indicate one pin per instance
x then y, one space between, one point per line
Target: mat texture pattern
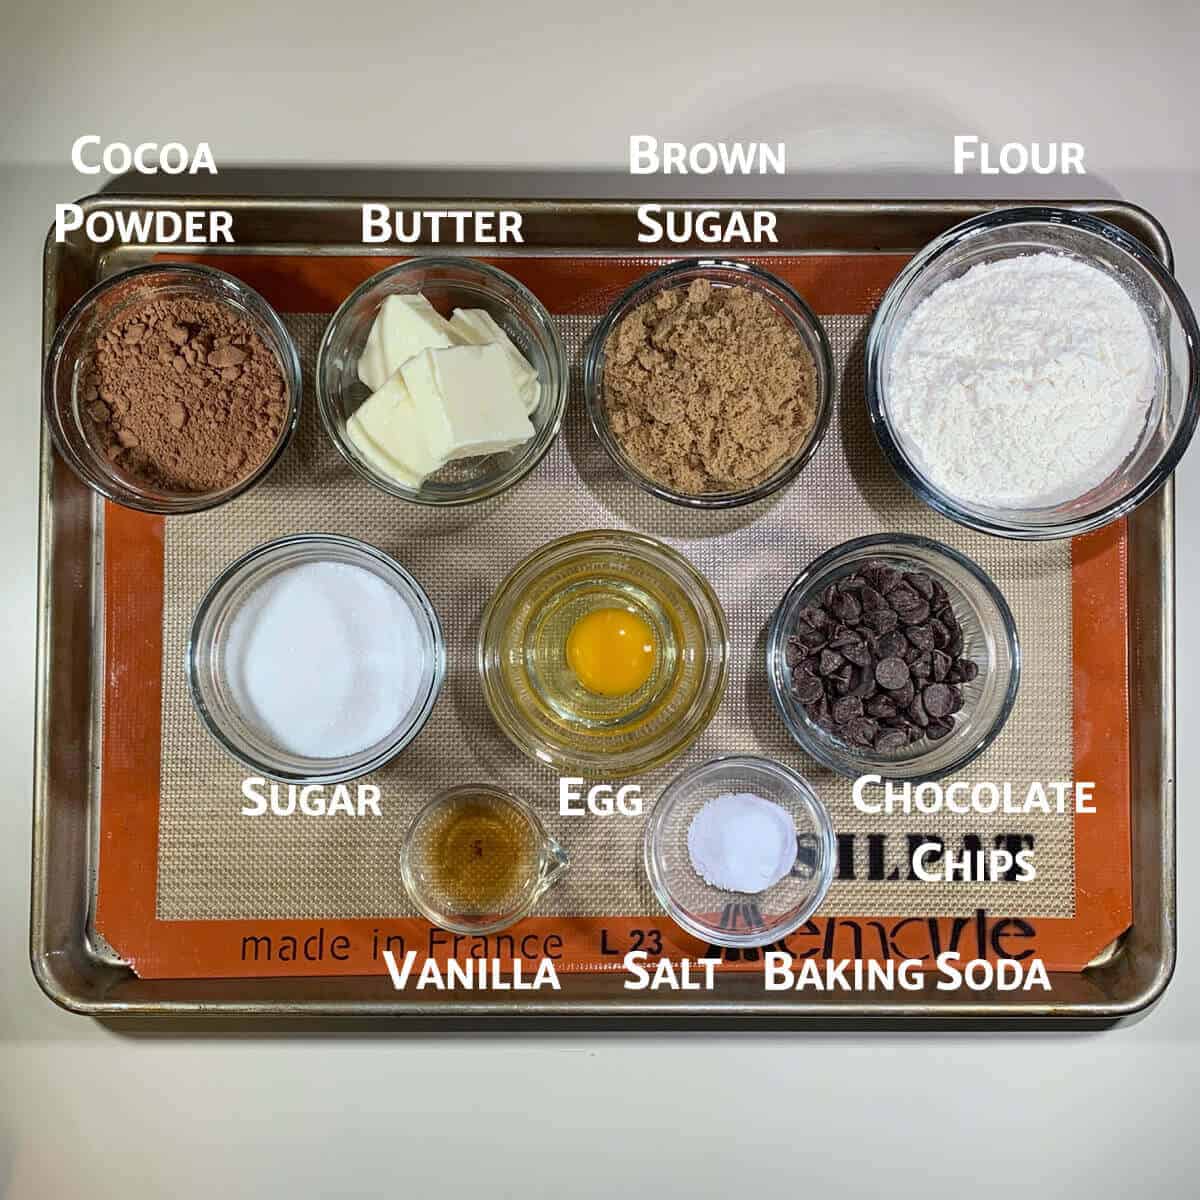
217 864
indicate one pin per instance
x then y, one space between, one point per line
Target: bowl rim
542 440
885 315
817 808
626 540
777 634
106 484
755 277
355 765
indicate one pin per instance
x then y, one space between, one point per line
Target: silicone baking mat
216 878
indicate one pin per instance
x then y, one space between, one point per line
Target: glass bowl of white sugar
315 658
740 851
1032 373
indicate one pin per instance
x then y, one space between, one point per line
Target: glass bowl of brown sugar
708 383
172 388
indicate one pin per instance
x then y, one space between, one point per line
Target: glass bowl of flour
1031 373
740 851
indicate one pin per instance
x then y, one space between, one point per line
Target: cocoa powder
708 389
183 395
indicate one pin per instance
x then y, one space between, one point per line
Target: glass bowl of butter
442 381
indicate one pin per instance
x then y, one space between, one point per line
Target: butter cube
387 431
466 401
404 326
475 327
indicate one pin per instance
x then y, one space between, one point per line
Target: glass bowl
209 672
989 639
492 820
790 306
99 308
727 918
1171 417
447 283
534 695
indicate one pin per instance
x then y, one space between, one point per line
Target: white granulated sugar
324 659
742 843
1023 383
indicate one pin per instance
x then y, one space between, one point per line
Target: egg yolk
611 651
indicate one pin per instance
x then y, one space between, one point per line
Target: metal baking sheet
78 971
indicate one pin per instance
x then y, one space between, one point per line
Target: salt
324 659
742 843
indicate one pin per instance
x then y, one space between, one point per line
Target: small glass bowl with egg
603 653
749 791
504 386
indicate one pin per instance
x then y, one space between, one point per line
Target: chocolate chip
892 645
938 728
920 583
829 662
858 653
938 700
891 673
918 614
862 731
881 620
882 706
846 607
793 652
847 709
808 688
871 599
968 668
921 636
888 741
941 664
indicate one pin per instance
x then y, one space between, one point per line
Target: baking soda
742 843
324 659
1023 383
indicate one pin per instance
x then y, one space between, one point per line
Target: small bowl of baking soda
740 851
1032 373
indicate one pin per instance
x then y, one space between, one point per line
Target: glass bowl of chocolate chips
893 655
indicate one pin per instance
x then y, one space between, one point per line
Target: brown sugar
708 389
184 395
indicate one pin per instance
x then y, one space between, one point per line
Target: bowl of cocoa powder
172 388
708 383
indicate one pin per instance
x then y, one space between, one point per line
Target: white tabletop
542 97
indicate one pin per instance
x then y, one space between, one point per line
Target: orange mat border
133 581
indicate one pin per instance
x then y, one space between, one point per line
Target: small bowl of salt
739 851
315 658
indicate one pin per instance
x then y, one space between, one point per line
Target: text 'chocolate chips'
878 660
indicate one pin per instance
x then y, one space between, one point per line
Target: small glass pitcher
476 859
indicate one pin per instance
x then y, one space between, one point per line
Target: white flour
1024 382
